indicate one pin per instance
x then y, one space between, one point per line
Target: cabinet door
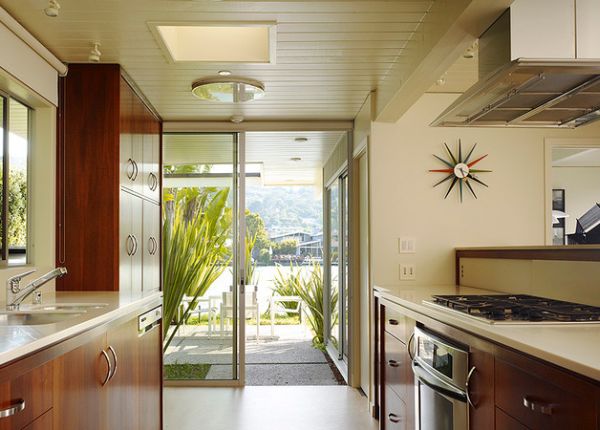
27 396
150 379
126 243
134 391
127 167
151 251
79 397
151 186
137 231
137 145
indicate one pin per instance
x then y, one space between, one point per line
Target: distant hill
286 209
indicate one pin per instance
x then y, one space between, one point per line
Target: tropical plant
311 290
287 284
196 230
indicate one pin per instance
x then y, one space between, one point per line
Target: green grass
265 319
186 371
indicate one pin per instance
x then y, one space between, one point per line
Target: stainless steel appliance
441 382
148 320
516 309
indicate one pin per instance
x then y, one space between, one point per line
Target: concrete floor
267 408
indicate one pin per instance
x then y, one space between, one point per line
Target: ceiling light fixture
228 89
296 159
237 119
301 139
441 80
224 73
95 53
52 9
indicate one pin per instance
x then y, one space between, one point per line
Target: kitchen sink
75 307
28 318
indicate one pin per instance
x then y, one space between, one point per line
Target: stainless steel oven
441 383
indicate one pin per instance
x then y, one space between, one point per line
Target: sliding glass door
203 209
337 287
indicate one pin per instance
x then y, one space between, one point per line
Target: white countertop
18 341
575 347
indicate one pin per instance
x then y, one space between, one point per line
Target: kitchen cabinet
509 390
45 422
150 247
109 164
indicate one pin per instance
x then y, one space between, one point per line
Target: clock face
461 171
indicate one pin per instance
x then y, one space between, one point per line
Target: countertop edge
485 331
39 344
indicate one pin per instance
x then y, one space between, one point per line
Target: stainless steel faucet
15 294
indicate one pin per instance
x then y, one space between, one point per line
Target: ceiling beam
449 28
229 127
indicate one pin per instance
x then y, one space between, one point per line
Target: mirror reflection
575 195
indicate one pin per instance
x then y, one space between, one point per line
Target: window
14 144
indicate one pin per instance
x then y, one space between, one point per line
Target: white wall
582 191
404 202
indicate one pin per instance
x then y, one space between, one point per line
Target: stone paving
288 358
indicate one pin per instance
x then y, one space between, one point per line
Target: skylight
232 43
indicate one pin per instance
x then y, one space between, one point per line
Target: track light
95 53
52 9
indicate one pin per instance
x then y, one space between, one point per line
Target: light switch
408 272
407 245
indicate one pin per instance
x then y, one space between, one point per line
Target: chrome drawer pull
393 322
13 409
114 354
543 408
394 418
393 363
110 368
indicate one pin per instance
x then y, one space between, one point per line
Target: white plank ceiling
330 54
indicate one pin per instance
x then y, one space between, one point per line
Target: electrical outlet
408 272
407 245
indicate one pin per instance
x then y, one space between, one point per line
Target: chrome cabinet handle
152 246
13 409
394 418
136 170
153 182
393 322
114 354
110 368
408 347
130 249
543 408
467 386
135 245
130 162
393 363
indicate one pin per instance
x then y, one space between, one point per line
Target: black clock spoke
478 181
459 151
450 176
471 189
480 171
451 186
444 161
460 189
452 157
468 157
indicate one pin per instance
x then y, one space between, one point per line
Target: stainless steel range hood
526 92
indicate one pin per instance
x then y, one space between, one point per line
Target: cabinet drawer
539 404
396 324
397 373
30 393
44 422
506 422
395 417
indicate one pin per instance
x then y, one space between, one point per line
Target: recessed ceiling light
52 9
301 139
95 53
224 73
296 159
228 89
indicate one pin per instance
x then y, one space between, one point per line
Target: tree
285 247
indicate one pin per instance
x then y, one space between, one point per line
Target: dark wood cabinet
108 164
45 422
509 390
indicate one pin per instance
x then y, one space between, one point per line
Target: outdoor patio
288 358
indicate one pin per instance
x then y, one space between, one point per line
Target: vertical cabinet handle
136 170
130 169
152 246
409 347
152 182
110 368
116 359
129 245
467 388
135 245
13 409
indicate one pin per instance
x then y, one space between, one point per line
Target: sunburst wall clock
460 170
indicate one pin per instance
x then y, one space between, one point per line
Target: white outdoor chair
275 304
204 305
252 309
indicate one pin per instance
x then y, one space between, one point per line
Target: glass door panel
201 193
333 202
344 269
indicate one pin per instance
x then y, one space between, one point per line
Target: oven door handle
436 384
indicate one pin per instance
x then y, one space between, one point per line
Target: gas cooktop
516 309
